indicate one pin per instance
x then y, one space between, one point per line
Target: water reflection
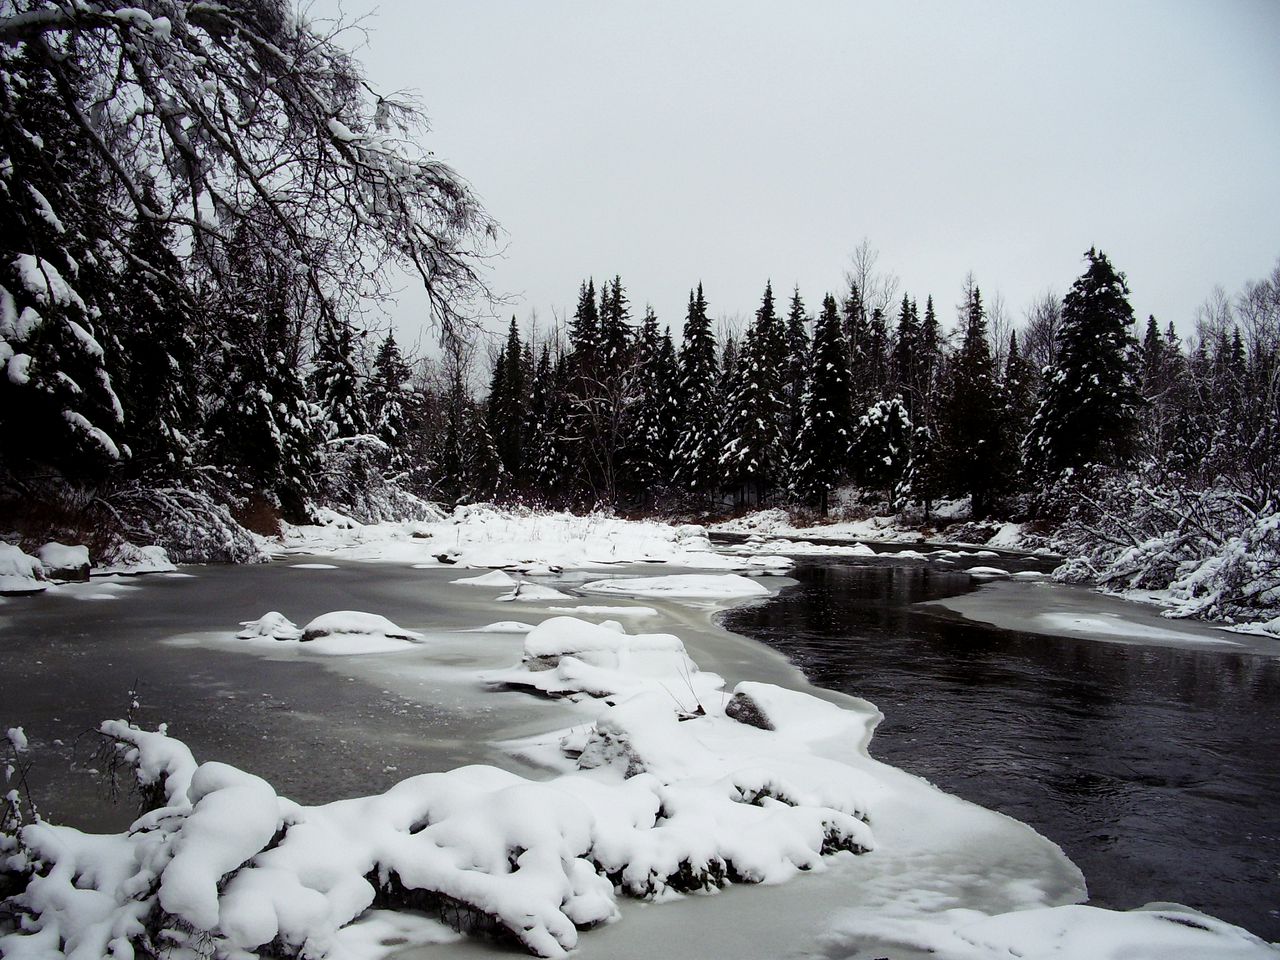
1157 769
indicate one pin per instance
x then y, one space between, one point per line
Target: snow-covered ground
658 781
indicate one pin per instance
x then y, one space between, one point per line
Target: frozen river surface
995 717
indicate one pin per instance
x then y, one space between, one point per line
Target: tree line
618 412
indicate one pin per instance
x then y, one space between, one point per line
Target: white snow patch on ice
681 586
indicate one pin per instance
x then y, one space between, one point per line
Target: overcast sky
737 142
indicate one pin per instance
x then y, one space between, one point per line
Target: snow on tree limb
217 116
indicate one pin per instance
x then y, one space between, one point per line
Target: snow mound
495 578
681 586
355 623
565 656
274 625
19 572
987 573
502 626
532 591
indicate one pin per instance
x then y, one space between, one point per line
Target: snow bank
690 586
482 536
652 802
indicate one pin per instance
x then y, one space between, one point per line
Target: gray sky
735 142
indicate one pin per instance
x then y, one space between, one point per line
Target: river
1156 768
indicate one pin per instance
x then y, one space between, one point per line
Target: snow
680 586
595 610
60 556
987 572
313 566
532 592
354 623
274 625
503 626
19 572
1157 931
483 538
1032 606
498 578
1104 625
17 739
128 559
655 781
340 633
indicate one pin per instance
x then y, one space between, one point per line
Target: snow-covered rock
354 623
63 562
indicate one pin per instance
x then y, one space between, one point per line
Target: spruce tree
971 436
905 373
1088 403
881 447
697 449
392 402
156 358
646 461
58 407
822 446
336 382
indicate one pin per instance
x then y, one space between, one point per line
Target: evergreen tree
647 455
697 449
156 359
822 446
553 446
615 329
506 407
905 373
971 436
1088 403
882 447
392 402
336 383
1017 399
262 428
797 359
58 407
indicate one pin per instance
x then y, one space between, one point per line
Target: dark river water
1156 769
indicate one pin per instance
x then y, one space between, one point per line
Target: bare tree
879 289
1040 335
222 119
999 325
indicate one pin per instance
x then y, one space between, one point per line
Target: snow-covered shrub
353 481
1214 552
193 526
